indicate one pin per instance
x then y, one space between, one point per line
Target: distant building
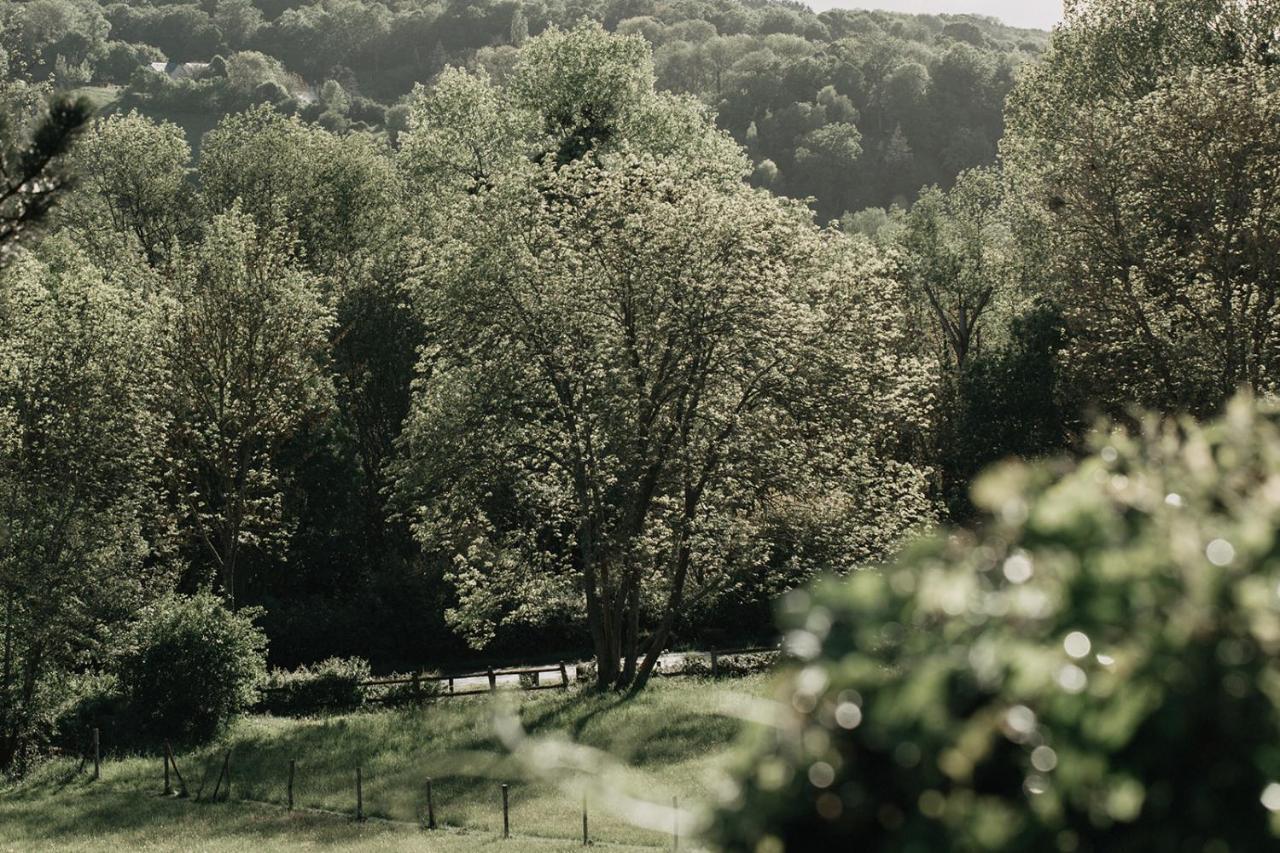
179 70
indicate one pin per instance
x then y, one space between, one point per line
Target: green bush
94 700
1096 669
736 666
331 686
189 666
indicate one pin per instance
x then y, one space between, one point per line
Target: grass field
99 96
668 742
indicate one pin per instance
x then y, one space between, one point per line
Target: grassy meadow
662 744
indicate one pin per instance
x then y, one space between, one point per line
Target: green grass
99 96
668 742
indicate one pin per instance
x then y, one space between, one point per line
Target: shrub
1096 669
733 666
190 665
331 686
694 665
94 701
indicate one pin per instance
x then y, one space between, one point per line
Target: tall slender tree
247 342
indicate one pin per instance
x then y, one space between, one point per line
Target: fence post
417 687
182 783
293 763
359 796
537 679
168 788
224 772
493 680
506 820
451 685
715 665
586 839
564 675
97 753
431 807
675 823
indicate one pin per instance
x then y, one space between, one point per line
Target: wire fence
459 804
446 798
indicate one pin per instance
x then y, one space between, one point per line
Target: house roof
178 70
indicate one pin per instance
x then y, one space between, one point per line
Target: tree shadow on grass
452 742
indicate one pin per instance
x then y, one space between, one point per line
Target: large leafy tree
637 369
247 341
344 199
82 427
968 271
1147 141
961 264
133 195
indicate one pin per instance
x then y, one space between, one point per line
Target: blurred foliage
1093 669
36 131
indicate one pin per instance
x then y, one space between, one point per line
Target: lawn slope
671 740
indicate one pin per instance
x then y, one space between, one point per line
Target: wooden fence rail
558 670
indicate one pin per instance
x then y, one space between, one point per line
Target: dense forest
549 352
855 109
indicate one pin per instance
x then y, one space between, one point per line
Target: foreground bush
331 686
1096 670
190 666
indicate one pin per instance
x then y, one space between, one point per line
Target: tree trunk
631 633
17 712
608 654
8 648
604 640
660 636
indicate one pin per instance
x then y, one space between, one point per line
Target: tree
519 28
43 32
634 365
344 200
968 275
615 406
133 192
338 193
81 429
249 69
238 20
247 342
122 59
1152 170
960 262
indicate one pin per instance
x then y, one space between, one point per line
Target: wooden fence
426 685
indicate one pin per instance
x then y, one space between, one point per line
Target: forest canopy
853 108
438 331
